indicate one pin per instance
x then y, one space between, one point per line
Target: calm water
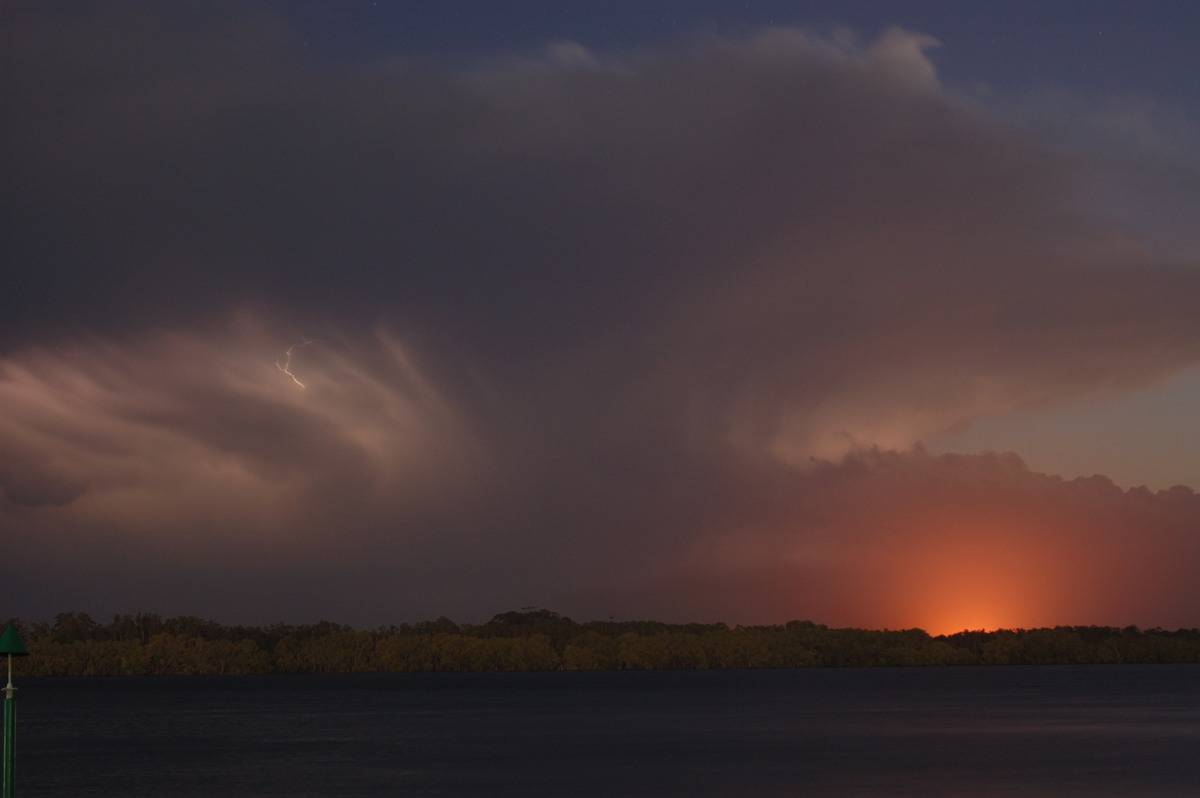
1068 731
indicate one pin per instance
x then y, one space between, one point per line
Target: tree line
75 644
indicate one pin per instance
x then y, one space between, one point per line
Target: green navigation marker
10 645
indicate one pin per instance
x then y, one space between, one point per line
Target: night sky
880 314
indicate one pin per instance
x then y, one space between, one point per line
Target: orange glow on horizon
968 571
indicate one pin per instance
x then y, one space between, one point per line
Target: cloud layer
649 334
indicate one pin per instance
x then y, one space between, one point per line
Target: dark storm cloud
563 321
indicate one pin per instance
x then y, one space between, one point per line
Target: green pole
10 644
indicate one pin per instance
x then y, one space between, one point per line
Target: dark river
1018 731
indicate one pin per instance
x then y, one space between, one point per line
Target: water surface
1028 731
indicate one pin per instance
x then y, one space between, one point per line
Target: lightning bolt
284 362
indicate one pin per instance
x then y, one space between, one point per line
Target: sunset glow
977 573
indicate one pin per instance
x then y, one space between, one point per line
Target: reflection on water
1067 731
